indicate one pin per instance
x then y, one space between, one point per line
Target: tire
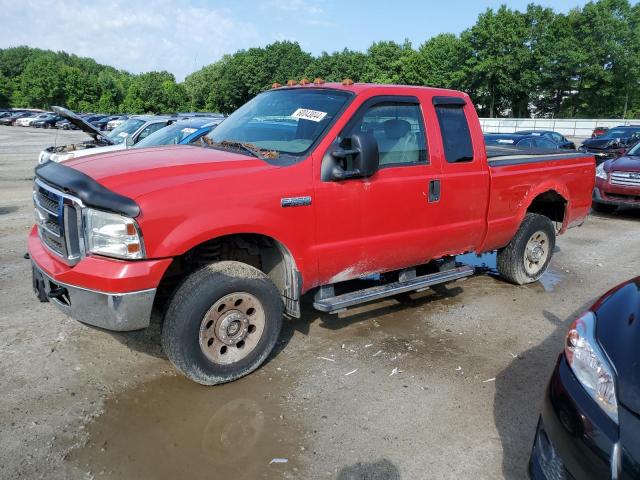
193 330
535 239
603 207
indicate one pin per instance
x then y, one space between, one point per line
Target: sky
183 36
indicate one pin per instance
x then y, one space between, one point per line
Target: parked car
127 134
47 122
102 123
11 119
618 182
301 189
590 422
556 137
520 141
116 122
26 120
599 131
65 124
183 132
613 143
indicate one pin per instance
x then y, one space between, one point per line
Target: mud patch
171 426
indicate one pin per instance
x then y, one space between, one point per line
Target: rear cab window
454 129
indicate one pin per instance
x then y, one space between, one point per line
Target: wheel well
262 252
550 204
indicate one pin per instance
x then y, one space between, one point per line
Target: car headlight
62 157
112 235
600 173
590 365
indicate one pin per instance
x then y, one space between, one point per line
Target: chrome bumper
112 311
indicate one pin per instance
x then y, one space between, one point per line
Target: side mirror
128 141
360 160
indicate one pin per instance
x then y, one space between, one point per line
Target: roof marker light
292 83
276 85
318 81
347 82
304 81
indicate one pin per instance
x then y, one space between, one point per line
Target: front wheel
222 323
527 256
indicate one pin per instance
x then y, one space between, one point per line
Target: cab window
398 130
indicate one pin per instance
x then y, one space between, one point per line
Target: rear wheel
529 252
603 207
222 323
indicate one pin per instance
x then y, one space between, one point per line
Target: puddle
173 428
486 263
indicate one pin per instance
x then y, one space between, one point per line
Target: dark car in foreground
556 137
518 140
618 182
613 143
590 422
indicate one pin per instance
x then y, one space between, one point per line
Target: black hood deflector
92 194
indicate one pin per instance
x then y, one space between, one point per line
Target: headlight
600 173
112 235
62 157
590 365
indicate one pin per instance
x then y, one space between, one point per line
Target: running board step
346 300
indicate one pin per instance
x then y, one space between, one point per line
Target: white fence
572 128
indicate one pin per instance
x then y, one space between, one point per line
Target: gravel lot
434 387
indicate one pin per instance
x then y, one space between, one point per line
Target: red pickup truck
306 187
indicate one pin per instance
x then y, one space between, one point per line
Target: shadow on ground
519 393
380 470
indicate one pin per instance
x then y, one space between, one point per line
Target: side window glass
398 128
456 136
149 130
542 143
527 143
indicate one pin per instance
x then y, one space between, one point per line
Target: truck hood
618 331
86 127
624 164
137 172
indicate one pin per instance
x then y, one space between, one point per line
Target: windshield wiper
250 148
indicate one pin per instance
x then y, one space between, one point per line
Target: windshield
619 133
171 135
119 134
282 121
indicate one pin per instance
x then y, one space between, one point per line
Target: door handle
434 190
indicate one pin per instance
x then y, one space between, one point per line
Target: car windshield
635 150
285 121
118 135
619 133
171 135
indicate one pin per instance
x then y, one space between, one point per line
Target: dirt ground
439 386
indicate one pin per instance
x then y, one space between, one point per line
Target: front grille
627 179
58 219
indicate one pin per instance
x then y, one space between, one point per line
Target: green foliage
585 63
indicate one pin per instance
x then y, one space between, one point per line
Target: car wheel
527 256
222 322
603 207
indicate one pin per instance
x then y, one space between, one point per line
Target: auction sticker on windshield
306 114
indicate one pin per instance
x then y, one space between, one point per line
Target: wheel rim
231 328
536 253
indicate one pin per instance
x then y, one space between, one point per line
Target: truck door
375 224
464 181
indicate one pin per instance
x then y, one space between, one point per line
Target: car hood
598 142
86 127
137 172
618 331
624 164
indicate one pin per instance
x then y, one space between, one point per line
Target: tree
387 62
337 66
40 84
437 63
